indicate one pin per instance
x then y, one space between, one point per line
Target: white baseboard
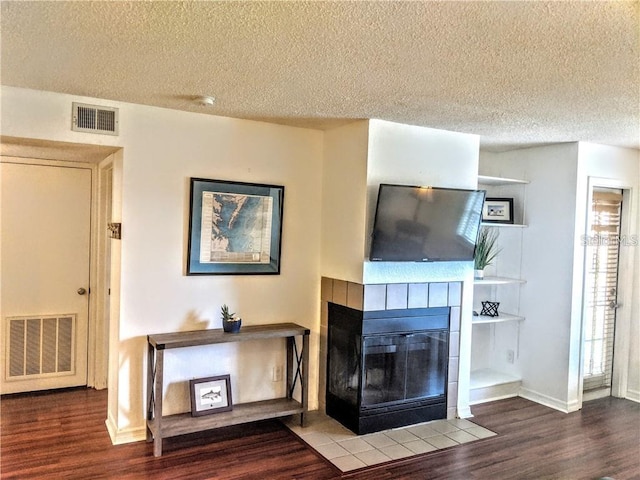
126 435
548 401
633 395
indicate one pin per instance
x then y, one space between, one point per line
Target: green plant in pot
230 323
486 250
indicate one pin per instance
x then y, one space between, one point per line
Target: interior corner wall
161 150
548 244
344 184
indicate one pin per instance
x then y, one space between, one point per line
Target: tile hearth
348 451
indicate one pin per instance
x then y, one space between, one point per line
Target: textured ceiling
515 73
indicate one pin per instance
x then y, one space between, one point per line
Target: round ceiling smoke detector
205 101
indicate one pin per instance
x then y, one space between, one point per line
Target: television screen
425 224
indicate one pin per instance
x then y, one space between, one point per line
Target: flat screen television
425 224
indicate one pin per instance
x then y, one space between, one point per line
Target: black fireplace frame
361 418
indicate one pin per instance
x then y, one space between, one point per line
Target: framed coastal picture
497 210
235 228
210 395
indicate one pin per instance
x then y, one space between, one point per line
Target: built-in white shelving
497 338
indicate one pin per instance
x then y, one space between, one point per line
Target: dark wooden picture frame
235 228
210 395
497 210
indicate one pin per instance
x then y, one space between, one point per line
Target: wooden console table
159 427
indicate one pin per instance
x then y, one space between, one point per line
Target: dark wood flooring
62 435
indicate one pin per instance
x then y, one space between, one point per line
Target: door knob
81 291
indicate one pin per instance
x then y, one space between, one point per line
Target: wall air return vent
40 346
94 119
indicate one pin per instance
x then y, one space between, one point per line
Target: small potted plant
230 323
486 250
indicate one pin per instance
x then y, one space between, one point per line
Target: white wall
360 156
548 247
411 155
344 201
161 150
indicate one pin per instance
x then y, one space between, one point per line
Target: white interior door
45 251
601 289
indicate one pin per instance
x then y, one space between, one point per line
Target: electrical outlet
510 356
277 373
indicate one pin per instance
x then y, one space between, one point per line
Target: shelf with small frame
503 190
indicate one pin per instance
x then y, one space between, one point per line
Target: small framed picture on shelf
210 395
497 210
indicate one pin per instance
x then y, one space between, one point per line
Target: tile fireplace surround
395 296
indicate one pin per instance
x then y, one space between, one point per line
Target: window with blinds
601 288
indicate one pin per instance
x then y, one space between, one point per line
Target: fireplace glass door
427 359
344 368
403 367
384 366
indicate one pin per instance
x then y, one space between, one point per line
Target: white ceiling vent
94 119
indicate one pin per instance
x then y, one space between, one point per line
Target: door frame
98 325
98 339
621 346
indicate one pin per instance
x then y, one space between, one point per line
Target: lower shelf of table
183 423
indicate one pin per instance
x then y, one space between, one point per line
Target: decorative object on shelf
497 210
230 323
490 309
486 250
210 395
234 228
